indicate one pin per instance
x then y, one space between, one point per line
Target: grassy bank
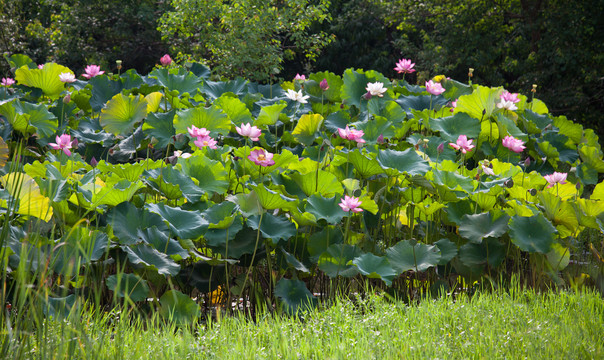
518 325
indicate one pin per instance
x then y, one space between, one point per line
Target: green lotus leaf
79 247
235 109
480 104
160 241
453 181
122 113
102 90
147 256
587 175
243 242
220 216
215 89
184 224
249 204
407 161
337 120
507 127
130 286
490 251
160 126
593 156
126 220
451 127
337 260
178 307
375 267
325 208
535 123
17 61
28 118
589 210
122 191
270 199
47 79
598 192
390 110
355 83
479 226
270 114
335 84
322 183
212 118
179 79
321 240
293 262
532 234
172 183
558 257
448 250
455 89
307 128
277 228
294 296
377 126
420 103
364 166
130 172
211 175
203 276
58 307
419 257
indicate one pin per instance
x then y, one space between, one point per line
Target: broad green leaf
174 79
47 79
453 181
592 156
211 175
307 127
337 260
153 101
363 165
17 61
479 226
407 161
294 296
143 254
448 250
270 114
178 307
103 90
532 234
277 228
375 267
451 127
212 118
480 104
122 191
322 183
325 208
249 204
184 224
126 220
28 118
122 113
220 216
26 190
172 183
490 251
130 286
215 89
270 199
160 126
419 257
558 257
235 109
455 89
295 263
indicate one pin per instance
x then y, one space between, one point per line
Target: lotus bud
67 99
324 85
441 148
578 185
527 162
380 139
367 96
93 162
74 143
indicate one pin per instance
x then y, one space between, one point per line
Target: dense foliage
172 186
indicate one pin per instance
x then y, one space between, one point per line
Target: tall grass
516 324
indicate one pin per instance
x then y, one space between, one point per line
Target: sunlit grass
489 325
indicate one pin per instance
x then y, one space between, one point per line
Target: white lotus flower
376 89
297 96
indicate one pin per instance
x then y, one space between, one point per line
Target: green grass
526 324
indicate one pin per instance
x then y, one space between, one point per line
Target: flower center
261 157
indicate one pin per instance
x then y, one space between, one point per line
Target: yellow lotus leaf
153 101
31 201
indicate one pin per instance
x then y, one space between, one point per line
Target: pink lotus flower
405 66
165 60
300 77
67 77
508 96
556 178
434 88
203 141
194 131
7 81
515 145
324 85
63 143
247 130
40 66
485 168
376 89
462 143
92 71
352 134
261 157
351 204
